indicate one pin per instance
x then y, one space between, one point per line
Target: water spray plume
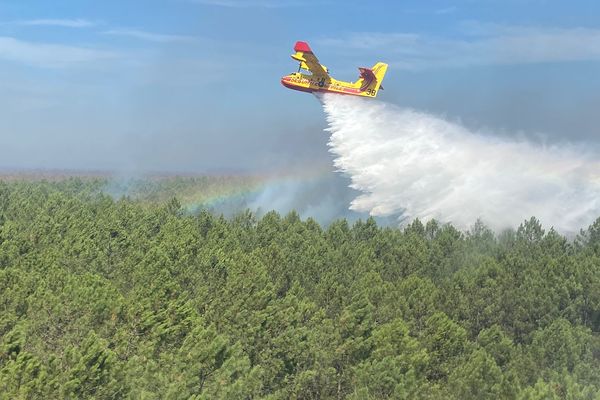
418 165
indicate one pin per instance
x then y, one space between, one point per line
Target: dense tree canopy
104 298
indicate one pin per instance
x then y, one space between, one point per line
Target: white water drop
420 165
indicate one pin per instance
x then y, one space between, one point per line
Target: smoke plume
423 166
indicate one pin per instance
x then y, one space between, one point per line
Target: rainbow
252 186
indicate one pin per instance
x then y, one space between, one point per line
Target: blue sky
193 85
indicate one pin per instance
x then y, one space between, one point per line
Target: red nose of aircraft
285 81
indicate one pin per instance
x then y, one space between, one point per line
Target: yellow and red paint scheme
319 80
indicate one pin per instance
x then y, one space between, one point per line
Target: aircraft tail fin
371 78
380 69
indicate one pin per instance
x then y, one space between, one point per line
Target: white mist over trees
423 166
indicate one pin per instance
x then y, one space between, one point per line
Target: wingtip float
318 80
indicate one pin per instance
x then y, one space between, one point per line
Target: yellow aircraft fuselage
310 83
320 81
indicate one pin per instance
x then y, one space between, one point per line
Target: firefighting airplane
367 85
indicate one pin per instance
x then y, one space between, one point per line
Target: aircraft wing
308 60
